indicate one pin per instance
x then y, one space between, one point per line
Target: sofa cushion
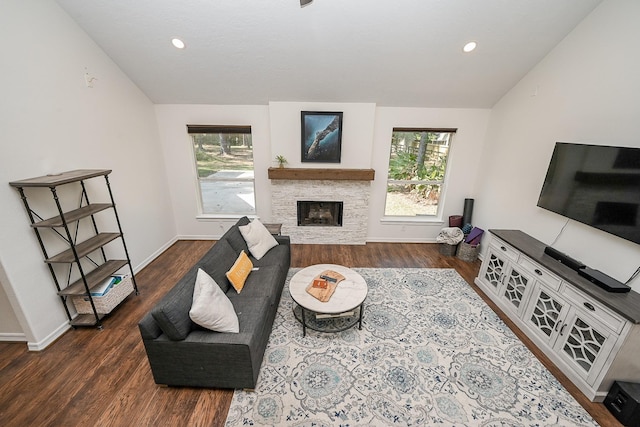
258 238
239 272
262 283
278 255
252 313
234 237
217 262
211 308
172 312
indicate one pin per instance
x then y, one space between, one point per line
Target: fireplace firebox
323 214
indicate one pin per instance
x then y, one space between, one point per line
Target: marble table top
349 294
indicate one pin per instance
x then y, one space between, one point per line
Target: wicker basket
107 302
447 249
467 252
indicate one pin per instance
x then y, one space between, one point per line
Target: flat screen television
596 185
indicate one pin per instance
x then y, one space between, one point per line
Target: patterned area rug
430 352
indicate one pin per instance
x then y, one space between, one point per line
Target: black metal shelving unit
67 226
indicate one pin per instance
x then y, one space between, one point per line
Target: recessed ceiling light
177 43
469 47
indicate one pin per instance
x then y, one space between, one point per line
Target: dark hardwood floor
102 378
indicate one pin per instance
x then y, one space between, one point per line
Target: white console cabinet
592 335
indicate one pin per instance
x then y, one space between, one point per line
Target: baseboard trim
198 237
155 255
400 240
57 333
13 337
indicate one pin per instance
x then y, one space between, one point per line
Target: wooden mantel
301 174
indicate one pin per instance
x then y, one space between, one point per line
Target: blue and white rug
430 352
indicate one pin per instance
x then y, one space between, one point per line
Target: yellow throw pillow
238 273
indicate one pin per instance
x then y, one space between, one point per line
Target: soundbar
565 259
606 282
594 276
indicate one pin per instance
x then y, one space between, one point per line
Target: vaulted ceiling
389 52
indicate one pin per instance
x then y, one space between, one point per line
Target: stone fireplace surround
289 186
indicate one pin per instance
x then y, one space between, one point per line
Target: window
417 169
224 161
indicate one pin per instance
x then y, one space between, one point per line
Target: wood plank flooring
102 378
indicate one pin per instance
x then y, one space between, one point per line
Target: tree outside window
224 164
417 170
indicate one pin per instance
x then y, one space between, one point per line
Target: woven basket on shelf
447 249
107 302
467 252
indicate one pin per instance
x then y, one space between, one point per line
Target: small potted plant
281 160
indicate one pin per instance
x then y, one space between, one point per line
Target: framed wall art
321 136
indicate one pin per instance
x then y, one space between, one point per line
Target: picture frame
321 139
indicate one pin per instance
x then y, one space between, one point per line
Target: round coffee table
338 313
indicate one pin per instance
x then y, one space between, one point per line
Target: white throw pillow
211 308
258 238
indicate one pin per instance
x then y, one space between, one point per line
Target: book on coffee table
324 285
319 283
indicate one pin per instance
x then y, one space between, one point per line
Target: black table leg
304 322
361 310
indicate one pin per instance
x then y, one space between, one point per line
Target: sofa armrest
283 240
149 329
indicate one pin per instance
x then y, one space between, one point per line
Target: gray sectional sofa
182 353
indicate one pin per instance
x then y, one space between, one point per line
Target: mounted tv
596 185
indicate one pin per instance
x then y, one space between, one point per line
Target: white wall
586 90
275 130
463 166
50 121
366 141
357 133
10 329
180 163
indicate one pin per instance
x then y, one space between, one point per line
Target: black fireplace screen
313 213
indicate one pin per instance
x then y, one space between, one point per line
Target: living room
582 90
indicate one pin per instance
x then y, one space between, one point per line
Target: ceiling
390 52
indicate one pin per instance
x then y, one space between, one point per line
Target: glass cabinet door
585 343
545 314
516 289
494 268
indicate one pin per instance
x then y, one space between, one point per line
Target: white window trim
418 219
436 219
201 216
217 217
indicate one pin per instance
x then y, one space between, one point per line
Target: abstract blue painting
321 136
